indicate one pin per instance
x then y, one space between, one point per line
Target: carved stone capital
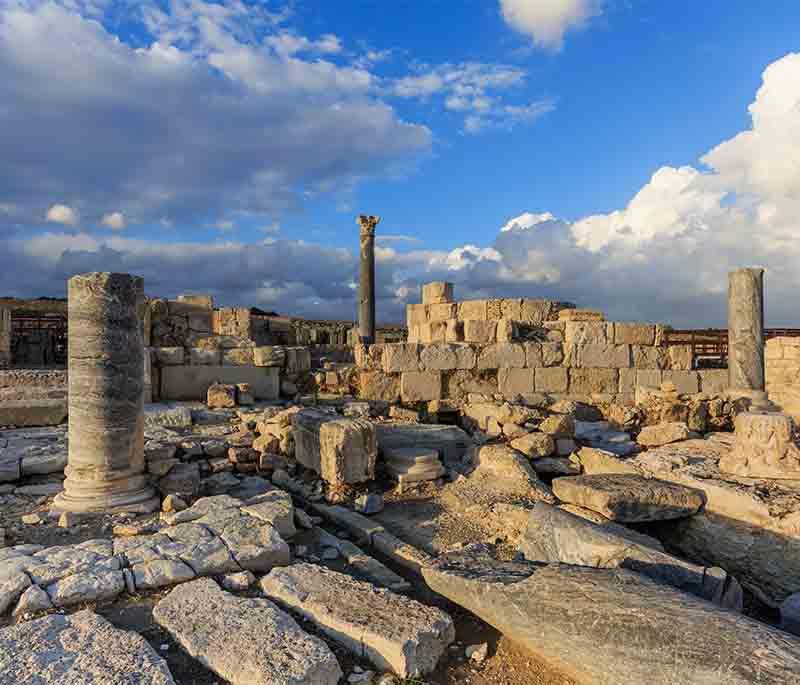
367 223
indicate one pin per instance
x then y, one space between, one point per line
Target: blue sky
243 138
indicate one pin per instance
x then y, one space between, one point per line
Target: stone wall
177 323
524 352
783 373
5 337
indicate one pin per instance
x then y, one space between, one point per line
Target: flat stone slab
245 640
614 626
391 631
450 442
555 535
33 412
629 498
79 649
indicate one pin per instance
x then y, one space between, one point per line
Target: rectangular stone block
340 450
634 333
646 357
168 356
680 357
511 309
533 355
269 355
472 309
416 314
584 332
535 311
435 331
454 331
413 334
600 355
589 381
506 330
238 356
379 386
502 356
437 292
192 382
200 301
553 379
648 378
627 381
552 354
580 315
447 357
199 356
298 359
514 382
479 331
441 312
420 386
713 381
399 357
368 357
687 382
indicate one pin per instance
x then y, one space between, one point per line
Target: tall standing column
746 334
366 290
105 469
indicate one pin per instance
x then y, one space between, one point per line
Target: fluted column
746 334
366 290
105 469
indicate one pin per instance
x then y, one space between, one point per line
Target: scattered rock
68 519
32 519
173 503
86 587
477 653
371 503
535 445
32 600
664 434
238 582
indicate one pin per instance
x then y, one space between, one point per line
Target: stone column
366 290
105 469
746 334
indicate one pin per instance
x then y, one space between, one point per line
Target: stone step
244 640
629 498
390 630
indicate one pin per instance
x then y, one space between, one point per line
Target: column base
143 501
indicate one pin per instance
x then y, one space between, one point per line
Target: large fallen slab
555 535
629 498
614 626
244 640
391 631
340 450
502 469
77 649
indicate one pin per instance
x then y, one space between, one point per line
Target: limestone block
634 333
506 330
502 356
552 353
533 355
441 312
504 470
192 382
413 464
480 331
590 381
420 386
399 357
535 445
663 434
553 379
648 378
559 425
494 309
599 355
513 382
221 396
437 292
713 381
168 356
416 314
763 447
454 331
269 355
646 357
627 381
298 359
447 357
472 309
433 332
680 357
580 315
584 332
511 309
238 356
630 498
340 450
535 311
379 386
686 382
392 631
202 357
244 640
86 587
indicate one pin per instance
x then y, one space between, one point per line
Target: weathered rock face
106 380
629 498
244 640
392 631
613 626
555 535
79 648
340 450
764 447
505 470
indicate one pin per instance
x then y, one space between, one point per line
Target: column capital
367 222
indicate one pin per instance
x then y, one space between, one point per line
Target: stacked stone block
783 373
175 323
5 337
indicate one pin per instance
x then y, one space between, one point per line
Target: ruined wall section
782 363
5 337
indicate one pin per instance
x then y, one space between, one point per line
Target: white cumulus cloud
62 214
114 220
546 21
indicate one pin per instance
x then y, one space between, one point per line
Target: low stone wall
782 361
176 323
5 337
587 360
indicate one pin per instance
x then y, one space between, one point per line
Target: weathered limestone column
366 290
105 469
746 334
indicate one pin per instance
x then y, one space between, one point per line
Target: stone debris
78 648
477 653
391 631
244 640
629 498
503 469
556 535
764 447
32 600
412 464
664 433
613 625
238 582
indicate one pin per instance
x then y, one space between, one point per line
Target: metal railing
710 345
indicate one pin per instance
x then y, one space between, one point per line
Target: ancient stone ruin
358 507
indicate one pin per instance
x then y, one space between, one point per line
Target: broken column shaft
105 469
366 290
746 333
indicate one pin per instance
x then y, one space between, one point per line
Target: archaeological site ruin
203 494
